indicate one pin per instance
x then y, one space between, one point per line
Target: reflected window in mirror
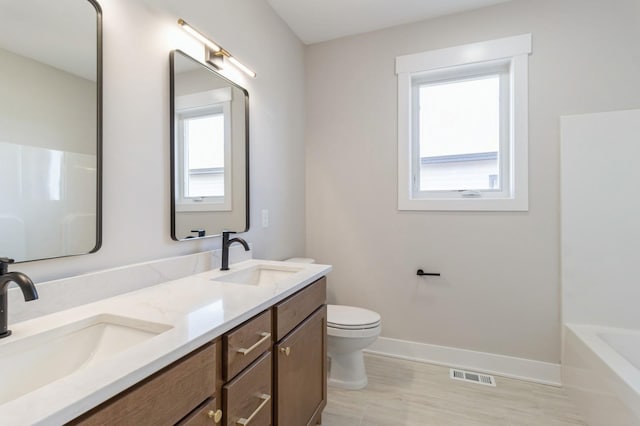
203 149
209 151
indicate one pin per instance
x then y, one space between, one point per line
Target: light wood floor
406 393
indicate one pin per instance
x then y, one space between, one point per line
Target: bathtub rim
626 377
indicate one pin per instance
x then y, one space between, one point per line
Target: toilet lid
350 317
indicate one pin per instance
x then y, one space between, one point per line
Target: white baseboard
499 365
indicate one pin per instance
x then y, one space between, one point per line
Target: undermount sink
260 275
38 360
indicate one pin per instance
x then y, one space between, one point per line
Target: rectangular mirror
50 128
209 151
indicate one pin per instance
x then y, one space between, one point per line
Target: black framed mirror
50 128
209 151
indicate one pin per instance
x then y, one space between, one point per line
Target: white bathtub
601 372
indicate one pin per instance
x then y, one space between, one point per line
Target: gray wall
138 36
500 290
45 107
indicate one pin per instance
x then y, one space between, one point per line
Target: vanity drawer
292 311
247 398
205 415
164 398
245 344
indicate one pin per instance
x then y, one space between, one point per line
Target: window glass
459 134
204 149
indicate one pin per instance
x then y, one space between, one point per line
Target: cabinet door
301 372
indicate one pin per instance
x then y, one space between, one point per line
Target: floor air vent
470 376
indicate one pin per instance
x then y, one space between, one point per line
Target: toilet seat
354 333
350 318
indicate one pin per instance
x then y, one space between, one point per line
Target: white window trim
516 49
193 105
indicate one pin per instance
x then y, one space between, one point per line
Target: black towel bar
422 273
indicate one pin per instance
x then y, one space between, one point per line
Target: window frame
472 72
457 63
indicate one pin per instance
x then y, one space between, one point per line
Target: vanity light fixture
215 55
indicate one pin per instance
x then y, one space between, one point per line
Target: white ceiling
314 21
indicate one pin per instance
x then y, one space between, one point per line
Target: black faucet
226 242
24 282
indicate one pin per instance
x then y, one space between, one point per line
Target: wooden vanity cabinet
300 357
241 378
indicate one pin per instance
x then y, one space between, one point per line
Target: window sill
203 207
466 204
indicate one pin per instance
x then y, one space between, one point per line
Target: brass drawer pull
265 399
265 336
216 416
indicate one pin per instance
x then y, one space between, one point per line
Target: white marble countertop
197 308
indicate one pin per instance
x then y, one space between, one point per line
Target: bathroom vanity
243 347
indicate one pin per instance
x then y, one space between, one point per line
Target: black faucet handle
200 232
4 264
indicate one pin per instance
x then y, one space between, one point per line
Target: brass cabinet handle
265 399
286 350
265 336
215 415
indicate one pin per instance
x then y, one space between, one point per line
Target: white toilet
349 331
